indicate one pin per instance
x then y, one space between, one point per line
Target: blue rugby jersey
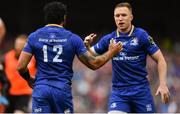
54 49
129 66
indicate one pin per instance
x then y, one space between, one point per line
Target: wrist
109 54
88 47
26 75
163 84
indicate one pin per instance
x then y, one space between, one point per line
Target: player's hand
31 82
165 94
89 39
115 47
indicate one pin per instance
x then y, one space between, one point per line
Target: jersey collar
130 33
56 25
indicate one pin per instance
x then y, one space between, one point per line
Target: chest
131 45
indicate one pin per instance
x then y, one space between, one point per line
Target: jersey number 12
56 48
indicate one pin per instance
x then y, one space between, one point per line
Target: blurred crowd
91 89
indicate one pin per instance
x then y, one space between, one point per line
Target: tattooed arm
95 62
23 62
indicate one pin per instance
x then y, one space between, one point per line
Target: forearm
23 61
24 74
162 71
93 62
102 59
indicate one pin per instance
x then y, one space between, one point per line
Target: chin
122 28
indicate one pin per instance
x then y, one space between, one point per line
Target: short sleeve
149 44
102 46
78 44
28 45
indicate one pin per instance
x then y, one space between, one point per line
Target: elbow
164 63
94 65
93 68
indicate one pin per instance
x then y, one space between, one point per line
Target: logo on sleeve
151 41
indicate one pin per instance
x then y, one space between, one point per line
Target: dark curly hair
54 12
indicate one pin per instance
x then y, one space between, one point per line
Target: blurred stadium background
91 89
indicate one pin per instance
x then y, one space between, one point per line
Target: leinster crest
134 42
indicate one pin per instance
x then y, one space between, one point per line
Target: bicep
157 56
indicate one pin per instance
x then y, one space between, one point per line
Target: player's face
123 18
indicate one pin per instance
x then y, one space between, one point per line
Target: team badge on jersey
134 42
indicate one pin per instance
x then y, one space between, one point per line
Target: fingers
92 35
112 41
166 97
89 39
120 45
165 94
162 98
157 92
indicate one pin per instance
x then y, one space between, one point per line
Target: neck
129 31
125 30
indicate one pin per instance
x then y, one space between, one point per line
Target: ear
132 17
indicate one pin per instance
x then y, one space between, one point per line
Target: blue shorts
132 100
48 99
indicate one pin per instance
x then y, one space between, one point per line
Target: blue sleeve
78 44
28 45
102 46
149 44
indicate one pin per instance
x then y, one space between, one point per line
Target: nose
119 17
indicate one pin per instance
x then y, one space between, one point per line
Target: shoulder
75 36
33 34
109 35
140 31
70 34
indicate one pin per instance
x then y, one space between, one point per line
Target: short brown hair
22 36
124 4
